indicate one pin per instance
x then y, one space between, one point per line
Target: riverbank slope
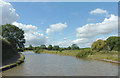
111 56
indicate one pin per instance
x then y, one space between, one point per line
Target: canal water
56 65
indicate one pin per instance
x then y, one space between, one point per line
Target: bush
100 45
36 50
84 53
60 49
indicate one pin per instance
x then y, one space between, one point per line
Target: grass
65 52
112 55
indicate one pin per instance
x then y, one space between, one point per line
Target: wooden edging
18 62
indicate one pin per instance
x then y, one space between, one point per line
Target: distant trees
74 46
69 48
112 43
30 47
50 47
14 35
56 47
43 46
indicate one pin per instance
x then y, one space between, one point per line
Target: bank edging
18 62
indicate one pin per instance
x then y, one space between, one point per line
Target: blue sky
74 14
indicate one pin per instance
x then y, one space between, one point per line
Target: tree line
110 44
51 47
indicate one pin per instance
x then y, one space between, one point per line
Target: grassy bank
65 52
102 55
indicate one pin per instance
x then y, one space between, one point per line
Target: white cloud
56 28
83 42
109 25
64 43
8 13
9 16
32 35
99 11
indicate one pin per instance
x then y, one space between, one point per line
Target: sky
62 23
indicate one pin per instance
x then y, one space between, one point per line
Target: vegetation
74 47
114 43
50 47
111 44
100 45
56 47
14 35
12 39
7 50
100 49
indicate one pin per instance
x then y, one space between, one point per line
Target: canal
56 65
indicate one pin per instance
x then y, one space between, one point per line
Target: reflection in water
55 65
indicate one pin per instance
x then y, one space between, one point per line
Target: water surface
56 65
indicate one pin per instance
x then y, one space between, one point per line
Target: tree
69 48
100 45
30 47
74 46
14 35
60 49
113 42
50 47
43 46
56 47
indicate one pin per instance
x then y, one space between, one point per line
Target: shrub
84 53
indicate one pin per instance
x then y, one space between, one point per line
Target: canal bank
55 65
16 63
111 57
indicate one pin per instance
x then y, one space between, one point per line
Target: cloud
56 28
99 11
109 25
32 35
64 43
7 13
9 16
83 42
91 19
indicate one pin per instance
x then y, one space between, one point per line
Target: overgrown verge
108 56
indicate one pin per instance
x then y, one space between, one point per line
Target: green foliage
56 47
60 49
84 53
99 45
14 35
43 46
50 47
69 48
113 42
30 47
74 47
7 50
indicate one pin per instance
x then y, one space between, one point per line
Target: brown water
56 65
